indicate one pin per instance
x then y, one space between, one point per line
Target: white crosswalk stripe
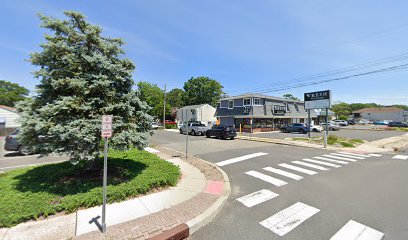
266 178
375 155
258 197
402 157
322 163
239 159
310 172
331 160
311 165
283 173
286 220
355 154
340 158
348 156
356 231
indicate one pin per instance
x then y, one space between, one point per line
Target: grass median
35 192
332 140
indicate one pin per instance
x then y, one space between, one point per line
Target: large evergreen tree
82 77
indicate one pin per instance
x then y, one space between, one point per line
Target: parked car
154 125
398 124
331 126
296 127
169 122
12 144
316 128
341 123
351 122
194 129
222 131
385 122
363 121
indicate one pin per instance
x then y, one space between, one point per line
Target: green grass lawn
41 191
332 140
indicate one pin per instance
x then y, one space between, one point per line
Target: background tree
11 93
290 97
82 76
202 90
342 110
175 97
154 97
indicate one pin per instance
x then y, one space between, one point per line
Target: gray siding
228 121
238 102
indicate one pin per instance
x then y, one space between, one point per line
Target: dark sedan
221 131
398 124
13 145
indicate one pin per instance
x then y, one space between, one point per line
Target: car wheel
232 138
23 151
301 131
331 129
202 134
207 135
193 132
284 130
223 137
181 131
315 130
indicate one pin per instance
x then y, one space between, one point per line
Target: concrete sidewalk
195 200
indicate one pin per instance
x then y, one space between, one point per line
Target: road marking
299 169
283 173
256 198
322 163
151 150
239 159
356 231
311 165
33 164
348 156
286 220
331 160
341 158
402 157
355 154
374 155
266 178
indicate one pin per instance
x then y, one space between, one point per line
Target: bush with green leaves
83 76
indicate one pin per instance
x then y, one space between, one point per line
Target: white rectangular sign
107 126
318 100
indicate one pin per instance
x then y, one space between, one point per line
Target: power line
361 66
393 68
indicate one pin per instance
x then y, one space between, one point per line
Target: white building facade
8 119
382 113
203 113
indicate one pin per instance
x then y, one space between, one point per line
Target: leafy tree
290 97
11 93
202 90
82 77
175 97
341 109
358 106
154 97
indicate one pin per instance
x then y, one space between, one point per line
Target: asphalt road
371 191
367 135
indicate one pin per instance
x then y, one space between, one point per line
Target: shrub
346 144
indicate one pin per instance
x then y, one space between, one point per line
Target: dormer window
257 101
287 107
247 101
230 104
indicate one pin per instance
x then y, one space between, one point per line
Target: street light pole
164 108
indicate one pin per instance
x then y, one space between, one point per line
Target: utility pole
164 108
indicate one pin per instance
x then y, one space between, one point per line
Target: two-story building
258 112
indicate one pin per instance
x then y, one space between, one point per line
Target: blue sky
246 45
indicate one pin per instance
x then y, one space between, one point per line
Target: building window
230 104
247 101
257 101
296 107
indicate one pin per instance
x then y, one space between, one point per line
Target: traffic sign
106 126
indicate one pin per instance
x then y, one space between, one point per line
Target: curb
180 232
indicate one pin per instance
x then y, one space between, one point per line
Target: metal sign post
308 123
106 133
319 100
186 134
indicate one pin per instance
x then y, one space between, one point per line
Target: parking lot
368 135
